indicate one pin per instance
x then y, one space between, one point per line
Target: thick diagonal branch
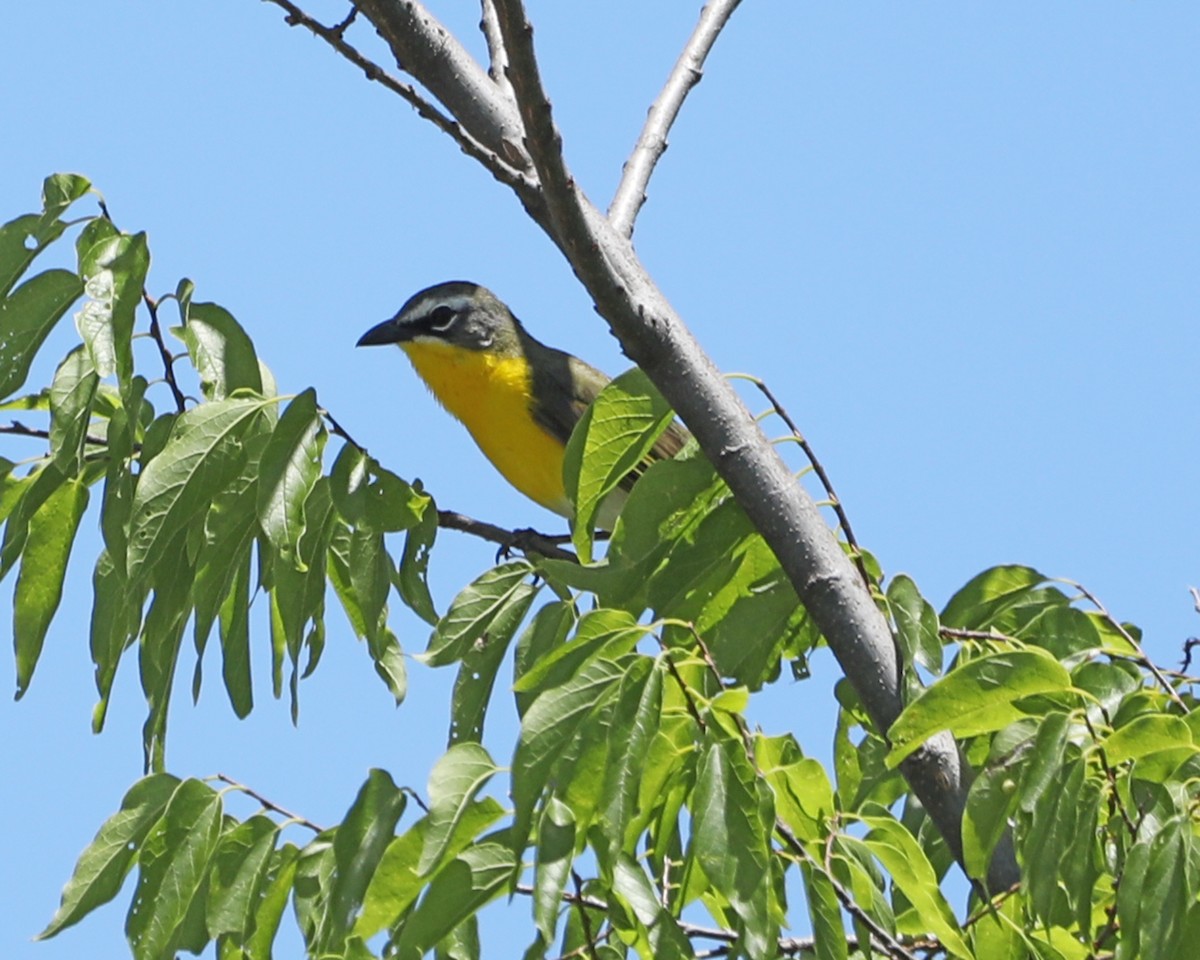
656 339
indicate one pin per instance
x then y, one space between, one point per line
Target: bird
518 398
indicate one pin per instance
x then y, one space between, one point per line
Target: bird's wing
567 388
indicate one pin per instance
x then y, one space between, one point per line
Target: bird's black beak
387 332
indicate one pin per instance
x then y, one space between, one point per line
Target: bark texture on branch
654 337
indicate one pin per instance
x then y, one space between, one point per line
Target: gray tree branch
655 338
652 143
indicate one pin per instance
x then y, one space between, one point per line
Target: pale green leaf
103 866
612 438
910 870
977 698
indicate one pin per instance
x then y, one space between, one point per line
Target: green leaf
803 794
635 721
602 631
205 452
550 724
733 820
1148 734
1170 887
612 438
473 610
281 873
71 394
986 596
546 631
453 784
371 579
221 352
916 624
396 883
22 239
477 672
412 580
103 866
60 190
976 698
1046 757
39 585
358 846
160 642
475 877
391 504
27 316
114 267
289 468
664 940
829 936
240 869
116 616
555 854
235 642
173 862
989 804
910 870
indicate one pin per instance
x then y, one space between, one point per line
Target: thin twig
1115 801
527 541
339 431
584 920
834 500
886 940
1129 638
497 55
492 161
688 699
268 804
167 360
18 429
961 633
652 143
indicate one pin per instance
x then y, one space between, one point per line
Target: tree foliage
639 813
640 797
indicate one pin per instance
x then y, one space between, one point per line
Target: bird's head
455 313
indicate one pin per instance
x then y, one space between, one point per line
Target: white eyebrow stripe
458 304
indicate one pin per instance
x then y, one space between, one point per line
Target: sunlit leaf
103 866
614 435
27 315
44 565
976 698
358 846
173 865
205 452
290 465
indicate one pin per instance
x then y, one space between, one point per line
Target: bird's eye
442 318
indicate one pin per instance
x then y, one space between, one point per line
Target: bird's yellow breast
492 396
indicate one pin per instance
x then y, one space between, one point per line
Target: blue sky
960 241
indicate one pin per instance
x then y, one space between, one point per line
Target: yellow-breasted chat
519 398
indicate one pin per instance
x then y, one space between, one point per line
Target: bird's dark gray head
458 313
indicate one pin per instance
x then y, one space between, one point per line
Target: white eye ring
442 323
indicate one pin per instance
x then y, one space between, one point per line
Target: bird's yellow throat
493 396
